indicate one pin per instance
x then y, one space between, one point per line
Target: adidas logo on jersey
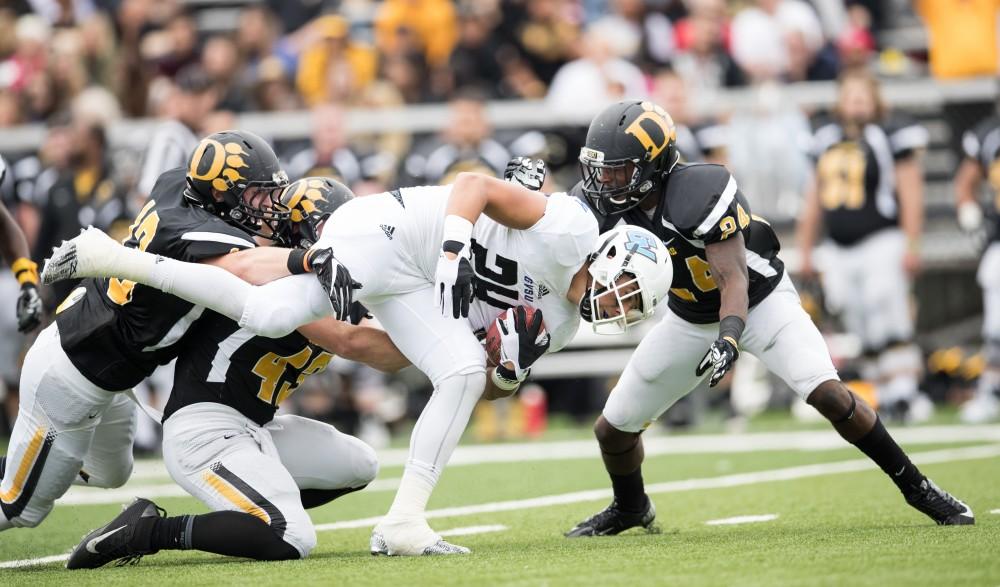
542 291
388 230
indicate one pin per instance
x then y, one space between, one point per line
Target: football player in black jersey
75 423
14 250
868 193
981 146
729 294
223 443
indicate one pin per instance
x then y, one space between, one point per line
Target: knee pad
366 464
303 538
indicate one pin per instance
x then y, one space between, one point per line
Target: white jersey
391 242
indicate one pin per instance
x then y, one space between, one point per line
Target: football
492 341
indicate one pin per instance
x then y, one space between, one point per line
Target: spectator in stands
10 109
601 76
475 61
87 193
466 139
654 29
181 44
30 57
962 42
334 68
760 36
408 74
273 91
697 140
703 60
547 38
328 155
432 25
220 59
193 97
98 50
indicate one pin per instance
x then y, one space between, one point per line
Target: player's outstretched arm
256 266
727 262
363 344
508 203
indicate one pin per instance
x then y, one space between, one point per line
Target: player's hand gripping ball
518 335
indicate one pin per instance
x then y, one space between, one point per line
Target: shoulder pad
692 193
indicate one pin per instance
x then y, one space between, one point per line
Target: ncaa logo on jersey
640 243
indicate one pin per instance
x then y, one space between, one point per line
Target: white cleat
410 539
82 256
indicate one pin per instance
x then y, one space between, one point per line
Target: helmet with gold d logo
235 175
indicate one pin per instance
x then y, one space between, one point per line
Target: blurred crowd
78 67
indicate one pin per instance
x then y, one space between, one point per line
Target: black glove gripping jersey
982 144
226 364
856 177
117 332
700 204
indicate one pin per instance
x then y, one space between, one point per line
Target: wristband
731 328
502 382
456 229
298 263
25 270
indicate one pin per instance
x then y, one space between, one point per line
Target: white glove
453 276
526 172
970 216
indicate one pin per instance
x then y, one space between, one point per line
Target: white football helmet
633 252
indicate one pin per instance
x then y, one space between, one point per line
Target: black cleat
612 520
940 506
115 540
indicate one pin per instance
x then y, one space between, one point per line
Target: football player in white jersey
411 250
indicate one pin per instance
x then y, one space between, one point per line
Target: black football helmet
243 168
630 147
308 202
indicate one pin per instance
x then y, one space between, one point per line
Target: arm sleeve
716 216
279 307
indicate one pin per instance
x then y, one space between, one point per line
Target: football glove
720 359
29 308
586 309
525 171
521 343
453 280
336 281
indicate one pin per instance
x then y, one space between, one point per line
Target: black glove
336 281
525 171
453 280
720 358
521 343
358 313
29 308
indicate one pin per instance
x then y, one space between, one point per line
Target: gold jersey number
271 369
841 173
142 230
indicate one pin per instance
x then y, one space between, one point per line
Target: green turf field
832 528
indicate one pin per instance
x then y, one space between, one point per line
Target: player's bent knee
305 540
612 439
114 478
831 398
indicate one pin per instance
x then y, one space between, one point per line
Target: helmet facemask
256 205
621 291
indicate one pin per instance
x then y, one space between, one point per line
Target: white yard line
995 511
740 479
470 530
742 520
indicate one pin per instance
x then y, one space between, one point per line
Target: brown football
492 341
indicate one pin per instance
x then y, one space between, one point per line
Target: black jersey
116 332
700 204
982 145
856 176
226 364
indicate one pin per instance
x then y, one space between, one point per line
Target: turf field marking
93 496
742 520
736 480
470 530
740 479
995 511
34 561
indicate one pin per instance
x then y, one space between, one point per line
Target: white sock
434 439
